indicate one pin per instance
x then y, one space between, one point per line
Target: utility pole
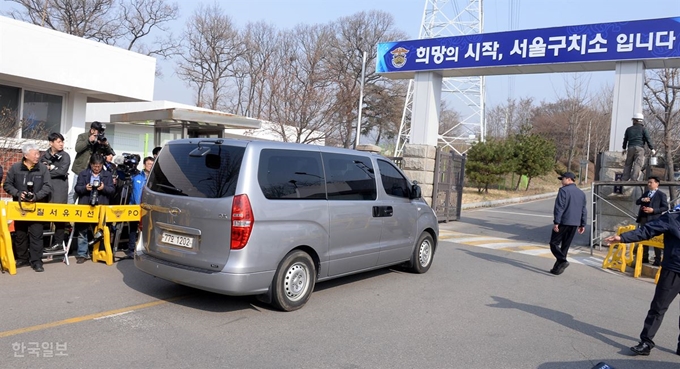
361 101
590 122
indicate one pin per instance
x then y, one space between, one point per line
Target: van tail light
241 221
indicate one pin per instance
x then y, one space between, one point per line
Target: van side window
393 181
291 174
213 175
349 177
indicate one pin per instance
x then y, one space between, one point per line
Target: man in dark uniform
634 140
669 279
58 163
570 215
29 181
652 203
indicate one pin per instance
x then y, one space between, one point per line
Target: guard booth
179 122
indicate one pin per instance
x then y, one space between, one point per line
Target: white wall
76 64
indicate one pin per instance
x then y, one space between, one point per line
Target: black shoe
645 261
56 247
677 352
21 263
657 263
80 260
561 268
38 268
642 348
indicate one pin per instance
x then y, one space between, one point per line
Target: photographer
138 183
29 181
57 162
94 186
87 144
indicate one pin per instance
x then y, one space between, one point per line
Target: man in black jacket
29 181
669 279
570 215
634 140
57 162
91 182
652 203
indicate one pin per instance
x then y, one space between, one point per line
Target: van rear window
210 172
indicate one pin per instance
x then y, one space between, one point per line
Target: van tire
294 281
423 253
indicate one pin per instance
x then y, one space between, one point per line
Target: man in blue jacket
138 183
570 215
669 279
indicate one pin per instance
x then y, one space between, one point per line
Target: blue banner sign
594 43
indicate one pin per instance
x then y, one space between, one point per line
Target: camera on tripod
94 194
29 195
130 162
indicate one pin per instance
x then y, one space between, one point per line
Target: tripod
125 191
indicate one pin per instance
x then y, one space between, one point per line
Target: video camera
129 165
94 193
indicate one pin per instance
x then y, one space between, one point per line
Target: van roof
260 144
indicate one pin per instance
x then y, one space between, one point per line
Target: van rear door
188 207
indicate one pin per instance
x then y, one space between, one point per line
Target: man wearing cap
570 215
634 140
87 144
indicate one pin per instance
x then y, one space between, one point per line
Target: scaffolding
446 18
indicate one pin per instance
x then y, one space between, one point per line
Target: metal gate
447 194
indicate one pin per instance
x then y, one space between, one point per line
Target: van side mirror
415 191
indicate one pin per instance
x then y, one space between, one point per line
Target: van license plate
177 240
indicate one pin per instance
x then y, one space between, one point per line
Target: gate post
418 165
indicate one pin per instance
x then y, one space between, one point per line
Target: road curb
514 200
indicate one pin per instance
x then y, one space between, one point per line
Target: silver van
241 217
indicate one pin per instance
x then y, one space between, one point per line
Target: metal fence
447 194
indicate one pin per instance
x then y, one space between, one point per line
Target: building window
41 114
9 110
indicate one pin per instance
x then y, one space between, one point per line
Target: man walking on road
570 215
669 279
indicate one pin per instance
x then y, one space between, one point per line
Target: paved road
477 307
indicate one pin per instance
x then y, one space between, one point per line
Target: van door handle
382 211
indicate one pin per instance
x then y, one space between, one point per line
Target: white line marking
515 213
113 315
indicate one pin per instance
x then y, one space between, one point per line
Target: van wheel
422 254
294 281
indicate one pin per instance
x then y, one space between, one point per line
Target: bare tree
577 99
661 98
210 49
599 123
302 94
355 35
255 70
124 23
504 120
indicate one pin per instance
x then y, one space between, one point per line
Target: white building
48 77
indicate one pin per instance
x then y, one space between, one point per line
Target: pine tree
487 163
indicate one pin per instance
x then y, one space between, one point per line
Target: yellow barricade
654 242
619 256
44 212
112 214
